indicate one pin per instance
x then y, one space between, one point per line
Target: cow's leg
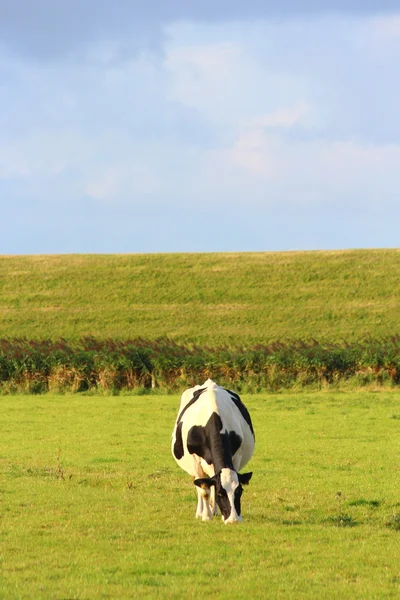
213 504
199 510
203 502
203 497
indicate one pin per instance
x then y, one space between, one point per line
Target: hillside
214 298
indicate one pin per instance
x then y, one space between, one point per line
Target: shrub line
39 366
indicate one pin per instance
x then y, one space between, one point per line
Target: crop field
93 505
239 298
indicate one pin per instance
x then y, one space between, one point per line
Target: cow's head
228 490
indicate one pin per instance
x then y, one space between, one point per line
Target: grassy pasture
214 298
93 505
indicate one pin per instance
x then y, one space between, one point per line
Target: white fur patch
230 482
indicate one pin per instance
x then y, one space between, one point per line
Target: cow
212 440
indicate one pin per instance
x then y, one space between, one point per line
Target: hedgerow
34 366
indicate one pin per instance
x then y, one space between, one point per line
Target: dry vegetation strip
115 365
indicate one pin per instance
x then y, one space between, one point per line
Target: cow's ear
204 482
244 478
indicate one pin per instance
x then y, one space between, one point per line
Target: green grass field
213 298
93 505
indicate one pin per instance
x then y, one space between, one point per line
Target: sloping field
214 298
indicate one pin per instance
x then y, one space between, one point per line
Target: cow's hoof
232 521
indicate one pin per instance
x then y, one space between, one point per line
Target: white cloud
104 186
386 27
201 76
261 168
285 117
122 184
379 37
229 84
252 151
12 164
43 154
301 113
256 148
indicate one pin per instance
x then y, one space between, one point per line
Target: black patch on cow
215 442
207 442
231 443
213 446
244 478
196 396
197 443
235 442
222 499
178 446
236 501
243 410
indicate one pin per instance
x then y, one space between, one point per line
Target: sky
186 126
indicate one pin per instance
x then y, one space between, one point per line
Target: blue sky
183 126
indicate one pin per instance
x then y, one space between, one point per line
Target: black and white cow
212 440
